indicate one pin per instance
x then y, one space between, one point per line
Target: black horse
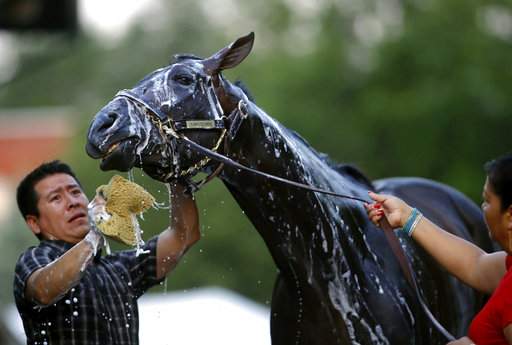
338 280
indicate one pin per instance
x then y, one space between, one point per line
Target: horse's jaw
119 156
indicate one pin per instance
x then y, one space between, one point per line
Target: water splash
139 242
160 206
130 176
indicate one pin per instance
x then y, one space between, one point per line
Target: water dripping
130 175
160 206
140 159
138 236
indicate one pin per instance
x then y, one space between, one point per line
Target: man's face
62 209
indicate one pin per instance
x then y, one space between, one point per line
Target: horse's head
189 97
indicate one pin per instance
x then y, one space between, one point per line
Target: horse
338 280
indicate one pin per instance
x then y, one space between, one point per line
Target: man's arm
45 285
182 233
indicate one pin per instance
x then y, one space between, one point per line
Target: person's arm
462 341
507 331
45 285
461 258
182 233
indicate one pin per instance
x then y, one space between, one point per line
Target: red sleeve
508 261
504 300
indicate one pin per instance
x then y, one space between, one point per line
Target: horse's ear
230 56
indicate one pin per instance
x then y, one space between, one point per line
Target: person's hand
461 341
394 209
96 213
96 209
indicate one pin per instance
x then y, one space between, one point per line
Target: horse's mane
181 57
350 170
342 168
245 90
354 172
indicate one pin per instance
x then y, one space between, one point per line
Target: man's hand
96 213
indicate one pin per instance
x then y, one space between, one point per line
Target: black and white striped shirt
100 309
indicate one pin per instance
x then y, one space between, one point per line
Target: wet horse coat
338 280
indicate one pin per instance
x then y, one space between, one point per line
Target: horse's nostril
109 121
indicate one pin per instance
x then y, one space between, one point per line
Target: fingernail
380 213
377 206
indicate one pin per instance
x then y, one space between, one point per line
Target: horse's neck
295 224
266 145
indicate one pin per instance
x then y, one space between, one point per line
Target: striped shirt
100 309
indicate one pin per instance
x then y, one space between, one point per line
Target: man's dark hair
499 175
26 195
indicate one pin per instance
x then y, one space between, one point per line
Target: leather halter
169 127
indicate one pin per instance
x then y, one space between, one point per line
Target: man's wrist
94 239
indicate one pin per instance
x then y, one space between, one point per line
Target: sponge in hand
124 200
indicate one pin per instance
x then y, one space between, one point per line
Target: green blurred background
398 88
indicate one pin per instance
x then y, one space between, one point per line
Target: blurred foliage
398 88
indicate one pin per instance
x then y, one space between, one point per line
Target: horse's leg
283 317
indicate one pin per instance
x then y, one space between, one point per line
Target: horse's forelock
182 57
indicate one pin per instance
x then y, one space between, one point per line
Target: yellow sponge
124 200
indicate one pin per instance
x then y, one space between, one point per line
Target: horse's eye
183 79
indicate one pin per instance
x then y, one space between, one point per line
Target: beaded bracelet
412 221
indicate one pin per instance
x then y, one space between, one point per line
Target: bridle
172 131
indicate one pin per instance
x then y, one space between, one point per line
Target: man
64 292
